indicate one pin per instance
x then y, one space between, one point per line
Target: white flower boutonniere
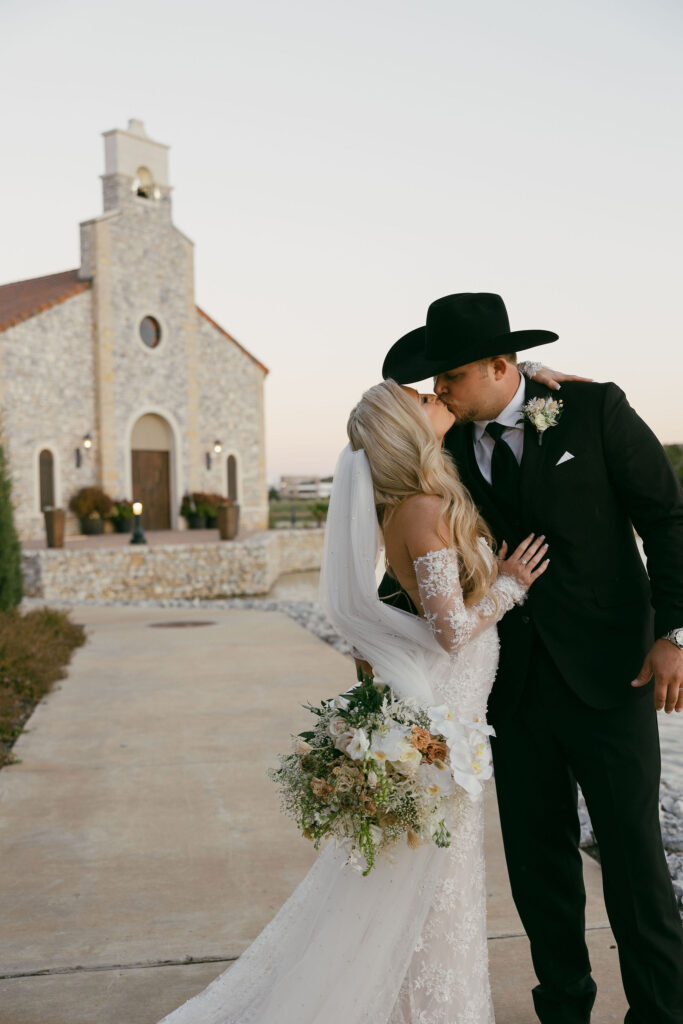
542 413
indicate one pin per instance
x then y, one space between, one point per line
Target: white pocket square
565 458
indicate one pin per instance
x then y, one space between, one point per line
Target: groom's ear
502 366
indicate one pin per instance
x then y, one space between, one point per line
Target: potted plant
92 506
205 507
228 516
190 512
123 517
54 526
212 501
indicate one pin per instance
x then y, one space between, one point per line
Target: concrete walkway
141 845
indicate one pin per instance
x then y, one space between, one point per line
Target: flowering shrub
91 503
375 769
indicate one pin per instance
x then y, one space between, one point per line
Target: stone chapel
110 374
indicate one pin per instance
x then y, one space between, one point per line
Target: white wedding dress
407 944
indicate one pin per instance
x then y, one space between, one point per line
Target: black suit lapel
537 457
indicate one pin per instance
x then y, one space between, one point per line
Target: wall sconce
87 444
218 448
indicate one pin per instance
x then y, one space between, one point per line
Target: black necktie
504 465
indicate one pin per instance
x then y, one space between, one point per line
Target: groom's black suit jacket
596 609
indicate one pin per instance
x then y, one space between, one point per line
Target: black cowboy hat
460 329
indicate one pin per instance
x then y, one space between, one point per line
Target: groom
574 700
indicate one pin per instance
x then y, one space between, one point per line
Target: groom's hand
665 663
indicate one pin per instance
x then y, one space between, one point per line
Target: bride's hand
551 378
527 562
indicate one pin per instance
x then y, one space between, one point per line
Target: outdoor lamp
218 448
138 536
87 444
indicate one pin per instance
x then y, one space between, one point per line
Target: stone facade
81 367
48 402
205 571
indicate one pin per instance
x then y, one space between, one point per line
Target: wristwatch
676 638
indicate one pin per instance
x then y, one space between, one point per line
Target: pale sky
338 166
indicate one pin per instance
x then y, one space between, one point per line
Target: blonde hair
406 458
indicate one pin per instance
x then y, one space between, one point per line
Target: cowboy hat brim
407 363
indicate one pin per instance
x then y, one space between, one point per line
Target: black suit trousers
551 741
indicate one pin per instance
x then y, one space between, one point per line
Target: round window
150 331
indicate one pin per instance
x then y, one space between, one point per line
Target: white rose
342 742
336 727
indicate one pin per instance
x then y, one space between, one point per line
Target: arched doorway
151 448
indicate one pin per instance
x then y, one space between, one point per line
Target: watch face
678 636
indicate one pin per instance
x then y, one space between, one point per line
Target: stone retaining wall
210 570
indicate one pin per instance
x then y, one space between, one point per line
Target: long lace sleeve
452 623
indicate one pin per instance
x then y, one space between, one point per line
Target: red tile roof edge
230 338
40 307
73 287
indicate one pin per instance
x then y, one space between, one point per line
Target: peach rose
420 737
436 751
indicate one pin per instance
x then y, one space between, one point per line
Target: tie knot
496 430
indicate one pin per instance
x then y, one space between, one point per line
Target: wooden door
152 486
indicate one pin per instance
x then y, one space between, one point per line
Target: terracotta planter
54 527
228 521
92 527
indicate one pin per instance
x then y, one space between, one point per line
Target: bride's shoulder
418 507
416 522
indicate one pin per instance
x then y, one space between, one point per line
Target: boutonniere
542 413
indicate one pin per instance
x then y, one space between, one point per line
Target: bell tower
135 169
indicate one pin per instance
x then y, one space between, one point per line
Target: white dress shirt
513 436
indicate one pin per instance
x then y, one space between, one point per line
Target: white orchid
389 745
358 745
442 720
436 781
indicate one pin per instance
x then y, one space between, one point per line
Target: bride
406 945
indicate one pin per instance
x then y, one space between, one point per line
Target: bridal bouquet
375 768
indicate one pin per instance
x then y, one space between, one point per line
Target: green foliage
11 579
123 509
202 503
675 453
34 651
273 494
319 511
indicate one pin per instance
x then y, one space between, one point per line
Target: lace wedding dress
407 944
